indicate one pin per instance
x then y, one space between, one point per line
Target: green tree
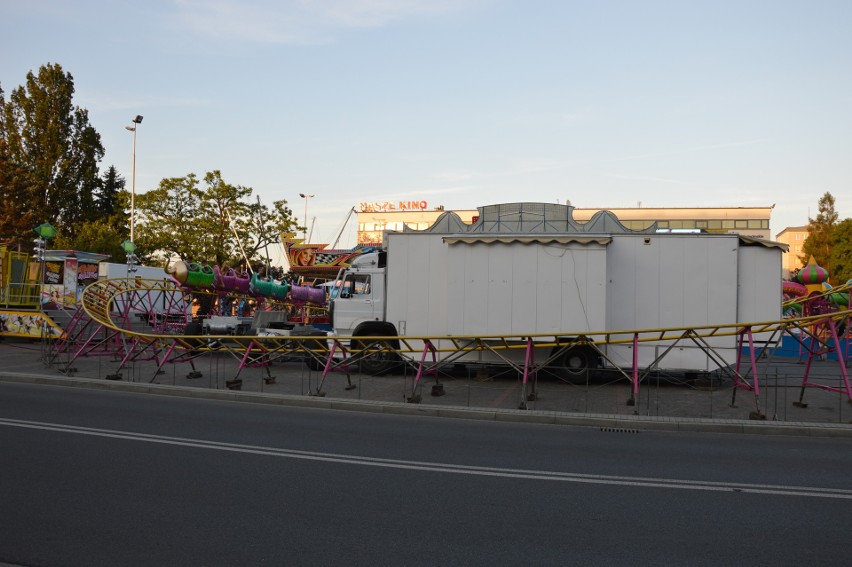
17 217
818 243
167 219
103 235
52 141
841 252
107 194
222 204
262 227
214 224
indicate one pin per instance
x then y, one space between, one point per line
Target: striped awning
528 239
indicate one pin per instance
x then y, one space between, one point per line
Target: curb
617 423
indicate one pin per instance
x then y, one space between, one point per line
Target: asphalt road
110 478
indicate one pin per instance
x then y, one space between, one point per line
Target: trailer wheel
378 360
577 361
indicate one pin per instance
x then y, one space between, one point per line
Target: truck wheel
378 360
577 361
193 328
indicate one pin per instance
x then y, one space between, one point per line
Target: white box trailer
443 282
513 285
689 280
154 304
111 270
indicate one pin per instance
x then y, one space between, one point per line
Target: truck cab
358 296
358 309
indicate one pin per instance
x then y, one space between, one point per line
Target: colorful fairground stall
316 266
808 294
34 288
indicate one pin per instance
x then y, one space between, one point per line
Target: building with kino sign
376 217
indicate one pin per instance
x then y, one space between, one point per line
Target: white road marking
807 491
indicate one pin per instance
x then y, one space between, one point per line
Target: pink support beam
428 347
816 348
635 376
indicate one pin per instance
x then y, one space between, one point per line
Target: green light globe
45 230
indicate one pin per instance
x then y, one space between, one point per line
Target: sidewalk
664 402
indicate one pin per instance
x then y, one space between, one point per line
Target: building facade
794 237
376 217
747 221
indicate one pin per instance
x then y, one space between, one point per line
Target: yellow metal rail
106 302
99 301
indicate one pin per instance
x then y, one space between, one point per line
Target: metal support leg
415 397
529 375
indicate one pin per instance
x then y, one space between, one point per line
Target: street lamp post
45 232
305 196
136 122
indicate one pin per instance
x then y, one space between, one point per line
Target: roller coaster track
109 304
823 294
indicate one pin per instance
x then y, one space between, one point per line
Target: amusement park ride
195 311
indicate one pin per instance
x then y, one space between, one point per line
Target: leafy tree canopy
818 243
103 235
107 199
17 216
52 141
841 252
49 160
217 223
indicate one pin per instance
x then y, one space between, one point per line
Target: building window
741 224
701 224
639 224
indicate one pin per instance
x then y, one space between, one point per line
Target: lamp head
138 119
128 246
45 231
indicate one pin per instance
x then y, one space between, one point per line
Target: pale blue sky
463 103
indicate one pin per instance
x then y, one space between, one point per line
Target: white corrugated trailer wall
417 283
521 288
671 280
111 270
760 293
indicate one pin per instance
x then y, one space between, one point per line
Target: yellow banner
28 324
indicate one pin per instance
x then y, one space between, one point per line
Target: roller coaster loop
113 309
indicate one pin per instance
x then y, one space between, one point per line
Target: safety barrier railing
106 301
